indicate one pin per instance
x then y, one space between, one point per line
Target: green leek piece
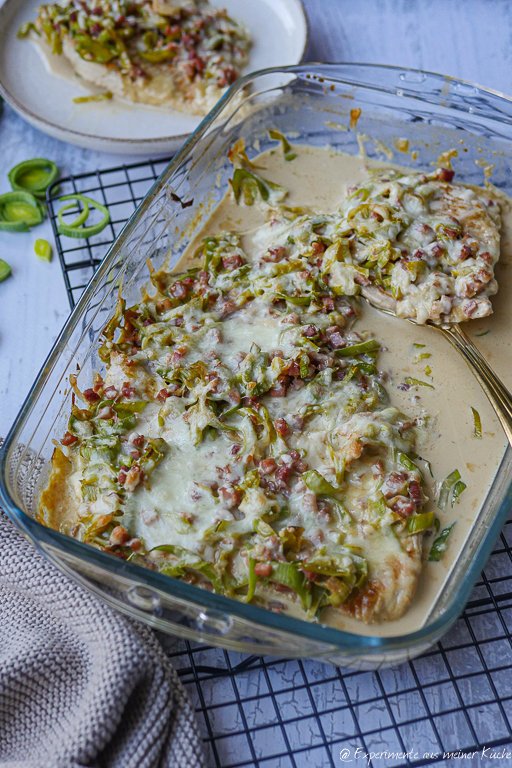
5 270
358 349
75 229
43 250
25 29
287 149
439 545
33 176
93 50
250 185
417 383
421 522
19 211
317 483
446 489
80 219
457 490
94 97
159 54
289 575
477 422
252 580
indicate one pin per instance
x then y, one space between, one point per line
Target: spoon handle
498 395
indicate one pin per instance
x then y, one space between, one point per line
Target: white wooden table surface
469 39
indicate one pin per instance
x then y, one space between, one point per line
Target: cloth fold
80 684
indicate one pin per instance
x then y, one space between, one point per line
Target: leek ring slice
19 211
33 176
76 228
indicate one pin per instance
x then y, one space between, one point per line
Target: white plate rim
164 140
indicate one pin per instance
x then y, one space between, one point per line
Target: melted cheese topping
241 437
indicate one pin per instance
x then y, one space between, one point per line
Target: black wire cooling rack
261 712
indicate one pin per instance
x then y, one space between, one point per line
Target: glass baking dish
311 104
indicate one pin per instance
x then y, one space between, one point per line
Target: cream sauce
319 178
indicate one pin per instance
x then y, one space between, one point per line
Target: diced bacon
486 256
309 503
445 174
275 254
111 393
230 496
469 307
235 449
135 455
178 290
309 331
133 478
106 412
138 440
279 388
225 307
229 77
290 458
403 506
69 439
327 304
282 475
415 493
336 340
318 248
267 466
119 536
297 422
291 319
234 261
149 516
282 427
427 233
263 569
394 484
311 575
178 355
128 391
164 306
293 369
361 279
91 396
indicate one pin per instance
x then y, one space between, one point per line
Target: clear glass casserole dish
310 104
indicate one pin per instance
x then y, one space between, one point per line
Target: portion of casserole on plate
241 438
181 54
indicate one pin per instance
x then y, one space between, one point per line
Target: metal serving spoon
497 393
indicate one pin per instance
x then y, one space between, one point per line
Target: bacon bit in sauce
282 427
128 391
230 496
445 174
119 536
133 478
267 466
91 396
263 570
232 262
69 439
106 412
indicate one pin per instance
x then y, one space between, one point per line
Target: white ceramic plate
45 98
